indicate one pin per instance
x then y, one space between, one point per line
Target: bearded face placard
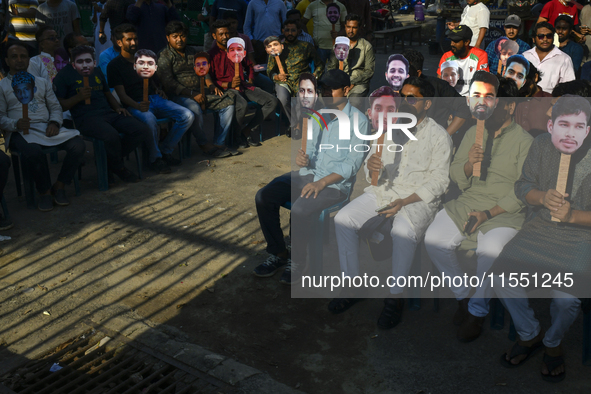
23 85
341 48
482 98
145 63
333 13
236 52
307 92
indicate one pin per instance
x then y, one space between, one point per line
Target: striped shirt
24 27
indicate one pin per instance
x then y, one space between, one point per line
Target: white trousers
441 240
352 217
564 310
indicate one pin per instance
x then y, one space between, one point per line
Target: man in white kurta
44 129
411 182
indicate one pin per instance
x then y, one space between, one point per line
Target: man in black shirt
129 86
104 118
441 110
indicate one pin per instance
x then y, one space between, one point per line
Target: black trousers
267 101
4 167
107 128
304 211
36 161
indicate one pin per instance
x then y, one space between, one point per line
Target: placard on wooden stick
202 90
478 140
25 116
562 179
375 175
237 73
146 89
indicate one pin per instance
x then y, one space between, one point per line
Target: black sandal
552 363
519 350
340 305
391 314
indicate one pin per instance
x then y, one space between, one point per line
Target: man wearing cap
295 58
476 16
512 25
360 64
412 179
324 179
469 59
222 72
554 65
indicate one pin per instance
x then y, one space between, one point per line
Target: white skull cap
236 40
451 63
342 40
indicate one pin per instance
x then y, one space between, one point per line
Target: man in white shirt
554 65
410 185
476 16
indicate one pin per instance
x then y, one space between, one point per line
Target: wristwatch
54 122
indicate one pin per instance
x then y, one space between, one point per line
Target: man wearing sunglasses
42 65
410 184
554 65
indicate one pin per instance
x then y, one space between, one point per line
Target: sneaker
270 266
171 161
251 142
160 166
59 197
233 151
5 224
126 175
45 203
243 144
286 277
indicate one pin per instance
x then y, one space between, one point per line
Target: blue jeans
161 108
324 54
222 128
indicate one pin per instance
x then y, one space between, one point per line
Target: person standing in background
62 15
220 6
204 19
99 47
324 34
476 16
114 14
301 7
150 18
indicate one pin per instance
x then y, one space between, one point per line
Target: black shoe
243 143
5 224
126 175
392 313
160 166
59 197
45 203
171 161
251 142
462 312
287 278
269 266
233 151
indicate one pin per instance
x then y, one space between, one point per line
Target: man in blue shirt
323 180
220 6
264 18
564 25
512 25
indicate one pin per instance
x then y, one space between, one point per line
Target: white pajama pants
352 217
441 240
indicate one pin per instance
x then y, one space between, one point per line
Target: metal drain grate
96 364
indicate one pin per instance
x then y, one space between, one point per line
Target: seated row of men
516 174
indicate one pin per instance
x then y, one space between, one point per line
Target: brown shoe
462 312
470 328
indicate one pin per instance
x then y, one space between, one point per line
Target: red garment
553 9
222 69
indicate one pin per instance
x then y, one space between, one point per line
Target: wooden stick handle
478 140
304 134
146 89
25 116
500 68
376 174
236 73
333 29
86 85
279 65
341 65
202 91
562 177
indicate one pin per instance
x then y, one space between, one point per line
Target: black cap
460 33
335 79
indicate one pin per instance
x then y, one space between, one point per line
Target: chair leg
497 314
100 156
587 338
17 174
5 208
414 301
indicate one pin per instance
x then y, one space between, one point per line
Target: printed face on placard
396 74
84 64
236 53
201 66
333 13
516 72
505 49
145 66
341 51
307 94
482 100
59 62
24 88
274 48
568 132
450 74
380 108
